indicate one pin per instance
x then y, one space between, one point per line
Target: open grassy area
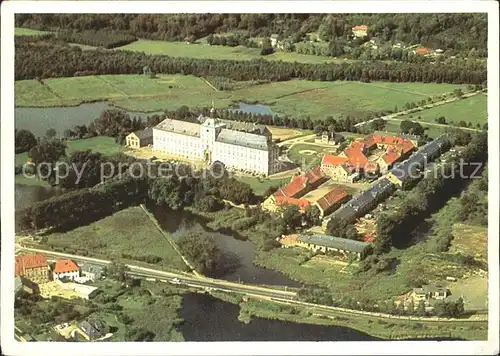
127 235
431 130
20 31
470 240
307 155
473 109
260 185
297 98
206 51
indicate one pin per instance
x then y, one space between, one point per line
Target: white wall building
213 140
65 269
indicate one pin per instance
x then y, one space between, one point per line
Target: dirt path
209 84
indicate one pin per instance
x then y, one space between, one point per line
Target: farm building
428 292
65 269
363 202
141 138
32 266
360 31
404 173
331 201
326 243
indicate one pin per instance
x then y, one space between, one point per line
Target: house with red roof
298 187
337 168
65 269
33 267
332 200
422 50
360 31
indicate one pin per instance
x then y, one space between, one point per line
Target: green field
297 98
431 130
206 51
20 31
128 232
103 144
473 109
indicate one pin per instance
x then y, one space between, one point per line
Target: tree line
35 61
97 38
393 228
460 32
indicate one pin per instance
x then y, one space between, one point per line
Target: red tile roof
298 184
331 198
63 266
361 27
421 50
32 260
332 160
390 157
301 203
315 175
355 156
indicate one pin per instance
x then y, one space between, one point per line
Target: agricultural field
128 235
20 31
473 109
296 98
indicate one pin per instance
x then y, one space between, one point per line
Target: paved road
392 117
293 141
185 278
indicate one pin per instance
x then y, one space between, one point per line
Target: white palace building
240 146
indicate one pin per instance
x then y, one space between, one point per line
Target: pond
236 263
39 120
209 319
255 109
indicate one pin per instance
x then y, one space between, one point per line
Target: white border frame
12 347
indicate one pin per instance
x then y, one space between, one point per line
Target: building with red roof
301 203
33 267
422 50
360 31
332 200
65 269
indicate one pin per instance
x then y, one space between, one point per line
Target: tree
48 152
292 216
50 133
441 120
458 93
24 141
378 124
318 130
139 334
201 250
340 228
117 271
420 308
312 215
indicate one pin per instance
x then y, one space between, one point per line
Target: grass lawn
297 98
20 31
473 109
470 240
431 130
128 232
259 185
305 155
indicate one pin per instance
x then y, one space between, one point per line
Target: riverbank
385 328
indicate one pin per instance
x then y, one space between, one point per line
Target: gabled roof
331 198
244 139
332 160
335 242
314 175
360 27
179 127
355 156
301 203
294 188
390 157
63 266
143 134
32 260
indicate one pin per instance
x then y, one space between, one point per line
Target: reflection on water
236 263
38 120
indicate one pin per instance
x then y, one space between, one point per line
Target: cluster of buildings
293 193
242 147
355 160
33 274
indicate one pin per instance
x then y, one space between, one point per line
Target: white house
65 269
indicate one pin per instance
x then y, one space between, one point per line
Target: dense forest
43 60
460 32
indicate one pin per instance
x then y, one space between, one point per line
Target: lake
38 120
